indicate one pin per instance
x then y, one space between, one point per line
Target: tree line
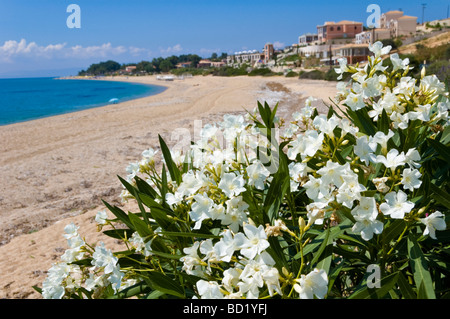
157 65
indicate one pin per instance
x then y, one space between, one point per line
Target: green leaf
440 195
278 188
175 173
442 149
392 230
165 284
185 234
145 188
119 233
140 226
120 214
132 291
386 284
383 123
405 287
325 255
419 267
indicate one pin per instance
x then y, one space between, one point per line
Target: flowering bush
263 208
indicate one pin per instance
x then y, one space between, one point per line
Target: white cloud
278 45
173 49
12 50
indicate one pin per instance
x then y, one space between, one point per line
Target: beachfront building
183 65
268 52
353 52
398 24
204 64
345 29
218 64
307 38
322 51
250 57
130 68
372 36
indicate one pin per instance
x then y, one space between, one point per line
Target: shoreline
160 89
58 169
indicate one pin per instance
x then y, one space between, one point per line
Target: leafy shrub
349 204
230 71
291 74
260 71
441 69
313 75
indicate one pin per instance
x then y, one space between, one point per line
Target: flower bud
423 73
301 224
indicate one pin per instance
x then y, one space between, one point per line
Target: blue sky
35 40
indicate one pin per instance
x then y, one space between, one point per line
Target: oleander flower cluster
265 207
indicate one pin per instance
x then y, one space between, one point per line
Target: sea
24 99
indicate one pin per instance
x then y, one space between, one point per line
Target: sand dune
56 170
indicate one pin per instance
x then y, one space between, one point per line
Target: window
339 28
331 28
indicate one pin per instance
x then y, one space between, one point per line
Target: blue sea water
27 99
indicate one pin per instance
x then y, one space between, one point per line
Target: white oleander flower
191 261
335 173
209 290
316 212
365 150
349 191
101 217
381 139
103 257
316 189
306 144
257 174
230 278
255 241
200 209
370 87
297 171
433 222
421 112
325 125
365 215
132 169
411 179
406 86
231 184
378 49
190 184
392 160
396 205
141 246
412 157
380 184
355 101
228 244
399 120
343 68
314 283
398 63
431 84
52 287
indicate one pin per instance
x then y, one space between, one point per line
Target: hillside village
343 39
312 56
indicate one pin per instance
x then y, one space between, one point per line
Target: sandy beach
57 170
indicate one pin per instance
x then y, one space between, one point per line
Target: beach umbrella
114 100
